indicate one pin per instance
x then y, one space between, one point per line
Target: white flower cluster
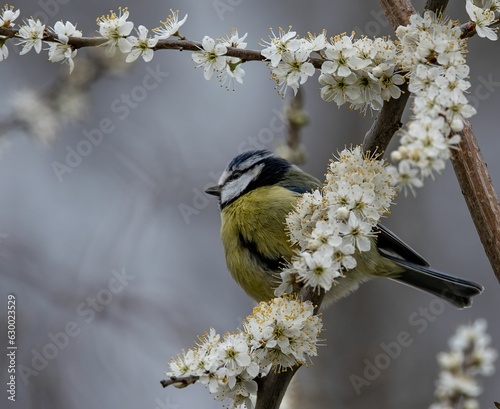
62 51
470 355
482 13
330 226
117 30
289 57
432 52
213 59
112 27
360 72
279 334
7 17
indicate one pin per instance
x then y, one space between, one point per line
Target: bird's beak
214 191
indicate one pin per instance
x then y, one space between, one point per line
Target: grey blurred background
122 212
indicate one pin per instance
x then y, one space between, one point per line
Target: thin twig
179 382
82 42
398 13
296 118
469 28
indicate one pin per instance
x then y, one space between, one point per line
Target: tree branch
387 123
479 194
180 44
179 382
398 12
388 120
471 171
437 6
469 28
272 388
296 118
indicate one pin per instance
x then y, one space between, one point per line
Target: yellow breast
254 238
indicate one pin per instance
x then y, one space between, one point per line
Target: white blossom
338 89
342 58
171 26
314 43
233 70
317 269
279 334
332 224
470 355
32 35
357 232
389 81
62 51
285 43
4 51
212 57
370 95
362 72
483 17
409 177
292 70
139 46
7 16
234 40
432 51
116 28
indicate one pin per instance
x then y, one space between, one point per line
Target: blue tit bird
256 192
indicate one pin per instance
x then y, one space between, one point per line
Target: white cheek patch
223 178
235 188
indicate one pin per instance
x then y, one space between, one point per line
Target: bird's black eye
236 174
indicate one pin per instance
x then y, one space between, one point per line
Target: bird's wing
299 182
389 243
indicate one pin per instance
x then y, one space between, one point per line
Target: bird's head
248 171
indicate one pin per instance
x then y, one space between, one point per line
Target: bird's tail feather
454 290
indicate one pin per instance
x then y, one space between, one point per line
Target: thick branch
480 196
437 6
388 120
398 12
387 123
272 388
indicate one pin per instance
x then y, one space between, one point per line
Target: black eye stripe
236 173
